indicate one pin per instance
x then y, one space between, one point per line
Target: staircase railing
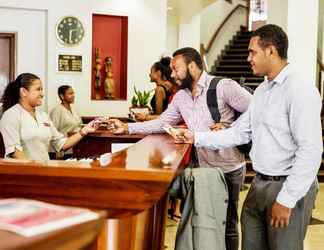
321 69
204 50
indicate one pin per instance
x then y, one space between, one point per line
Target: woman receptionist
64 116
27 131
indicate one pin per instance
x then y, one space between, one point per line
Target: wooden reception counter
131 188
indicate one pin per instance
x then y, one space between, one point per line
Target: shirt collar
202 83
281 77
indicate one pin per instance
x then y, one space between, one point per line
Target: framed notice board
69 63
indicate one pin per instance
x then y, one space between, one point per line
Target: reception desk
131 188
100 142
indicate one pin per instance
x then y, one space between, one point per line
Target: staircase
232 63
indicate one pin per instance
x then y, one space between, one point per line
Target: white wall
302 34
211 18
32 58
172 31
146 42
278 17
299 19
189 33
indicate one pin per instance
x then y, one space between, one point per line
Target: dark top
165 100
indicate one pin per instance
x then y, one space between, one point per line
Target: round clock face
69 30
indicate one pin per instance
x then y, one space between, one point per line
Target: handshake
93 125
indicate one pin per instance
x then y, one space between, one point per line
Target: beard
187 82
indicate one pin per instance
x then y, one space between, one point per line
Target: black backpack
213 109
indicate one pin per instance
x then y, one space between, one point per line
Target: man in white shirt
283 122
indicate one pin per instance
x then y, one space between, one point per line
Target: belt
271 178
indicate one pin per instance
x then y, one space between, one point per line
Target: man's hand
117 127
219 126
280 215
140 117
184 136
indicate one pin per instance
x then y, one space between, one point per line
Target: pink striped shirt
194 111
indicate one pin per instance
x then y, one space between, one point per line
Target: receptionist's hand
117 127
90 127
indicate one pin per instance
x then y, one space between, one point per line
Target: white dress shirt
283 121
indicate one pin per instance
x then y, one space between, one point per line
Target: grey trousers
234 182
257 234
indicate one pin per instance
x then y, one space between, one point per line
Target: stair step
235 56
234 73
253 84
243 36
239 46
245 33
240 41
237 51
234 62
250 81
234 67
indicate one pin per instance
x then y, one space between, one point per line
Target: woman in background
165 87
64 116
27 131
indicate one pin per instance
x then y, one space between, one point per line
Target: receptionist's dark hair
11 94
62 89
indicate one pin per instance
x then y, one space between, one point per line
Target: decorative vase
139 110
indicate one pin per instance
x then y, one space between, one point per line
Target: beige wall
146 42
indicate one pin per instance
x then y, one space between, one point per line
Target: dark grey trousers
234 181
257 234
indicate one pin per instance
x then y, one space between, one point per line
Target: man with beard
283 122
190 104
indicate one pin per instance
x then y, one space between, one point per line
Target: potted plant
140 102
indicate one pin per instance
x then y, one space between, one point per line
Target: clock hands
70 34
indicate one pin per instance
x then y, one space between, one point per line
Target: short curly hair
271 34
190 55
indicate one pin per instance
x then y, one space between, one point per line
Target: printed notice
69 63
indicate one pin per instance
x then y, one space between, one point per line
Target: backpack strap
212 99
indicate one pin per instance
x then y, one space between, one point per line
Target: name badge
46 124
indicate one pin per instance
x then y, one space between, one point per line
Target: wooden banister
204 50
319 61
321 67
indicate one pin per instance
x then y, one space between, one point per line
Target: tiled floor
315 235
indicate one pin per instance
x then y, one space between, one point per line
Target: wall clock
69 31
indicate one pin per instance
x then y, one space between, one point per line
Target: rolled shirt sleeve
170 116
57 140
10 130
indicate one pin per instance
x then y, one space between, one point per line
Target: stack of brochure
30 217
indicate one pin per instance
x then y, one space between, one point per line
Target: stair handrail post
321 69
